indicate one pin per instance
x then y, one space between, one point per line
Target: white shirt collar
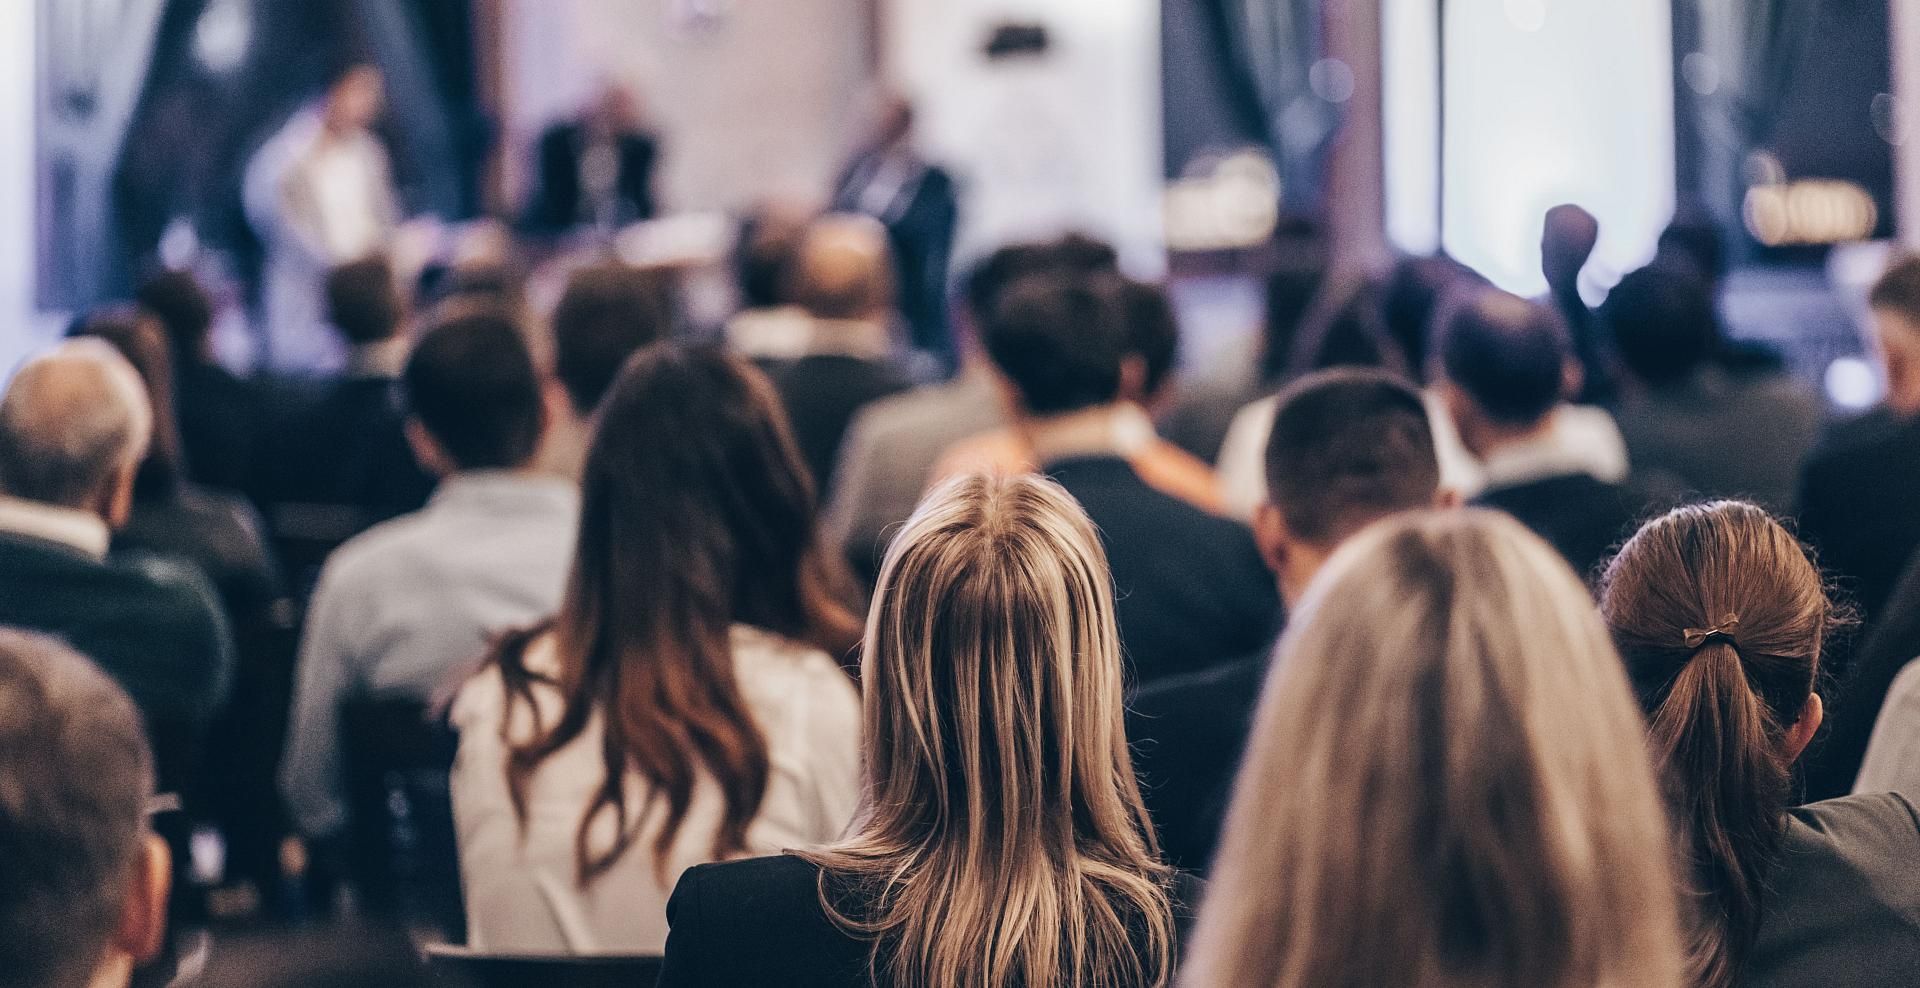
862 338
70 527
1536 458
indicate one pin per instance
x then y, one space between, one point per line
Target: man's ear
1447 498
117 504
1271 535
143 917
1133 380
427 451
1801 733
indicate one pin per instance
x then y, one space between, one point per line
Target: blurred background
1187 132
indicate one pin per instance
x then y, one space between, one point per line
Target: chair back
458 967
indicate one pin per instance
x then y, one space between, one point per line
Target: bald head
842 269
1567 239
74 424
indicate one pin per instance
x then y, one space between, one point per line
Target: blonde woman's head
1002 839
1447 783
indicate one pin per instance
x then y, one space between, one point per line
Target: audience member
85 894
687 688
1718 434
219 413
1567 239
220 535
606 314
1347 448
1505 363
1000 837
403 608
1859 487
842 280
1721 618
892 445
1892 760
768 325
74 427
1191 587
1150 347
335 463
1871 704
1444 786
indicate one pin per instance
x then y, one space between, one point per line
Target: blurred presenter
319 193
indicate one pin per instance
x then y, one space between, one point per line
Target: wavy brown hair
1000 839
1721 706
696 514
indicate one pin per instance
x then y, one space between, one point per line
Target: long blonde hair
1001 838
1447 785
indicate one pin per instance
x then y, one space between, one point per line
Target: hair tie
1697 638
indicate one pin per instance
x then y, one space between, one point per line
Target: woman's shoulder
1882 818
757 921
785 670
1851 848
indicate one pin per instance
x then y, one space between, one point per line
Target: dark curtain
1267 49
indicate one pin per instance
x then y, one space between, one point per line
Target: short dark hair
763 254
1508 354
1348 448
75 776
1074 253
1898 290
363 302
183 308
607 313
1153 330
1663 323
472 384
1060 340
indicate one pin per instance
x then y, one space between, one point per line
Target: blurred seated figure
1719 434
893 444
686 703
1152 346
1892 761
607 312
1000 838
1445 786
841 278
1859 489
595 170
1568 236
84 901
1505 362
1723 621
768 326
319 193
334 460
219 414
75 425
890 180
220 535
1348 447
405 608
1191 586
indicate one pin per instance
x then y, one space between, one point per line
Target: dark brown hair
696 514
1348 447
607 313
1898 290
1720 705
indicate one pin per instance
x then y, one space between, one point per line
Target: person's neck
115 971
1119 428
379 358
1490 439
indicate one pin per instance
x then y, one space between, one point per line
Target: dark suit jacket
1190 587
1867 671
822 393
758 923
1188 735
920 227
334 462
219 424
555 206
154 625
1581 516
1860 504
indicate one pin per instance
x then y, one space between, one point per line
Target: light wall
1546 103
18 329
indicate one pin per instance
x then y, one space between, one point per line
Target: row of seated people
1453 774
1065 342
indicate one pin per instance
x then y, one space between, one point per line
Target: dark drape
1267 50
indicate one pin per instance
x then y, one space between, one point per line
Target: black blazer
1583 517
555 205
1188 735
822 393
1858 502
1190 588
759 922
920 227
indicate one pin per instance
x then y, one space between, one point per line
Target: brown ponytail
1720 701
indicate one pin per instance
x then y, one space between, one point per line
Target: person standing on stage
319 193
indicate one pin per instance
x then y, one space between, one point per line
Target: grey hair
72 419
